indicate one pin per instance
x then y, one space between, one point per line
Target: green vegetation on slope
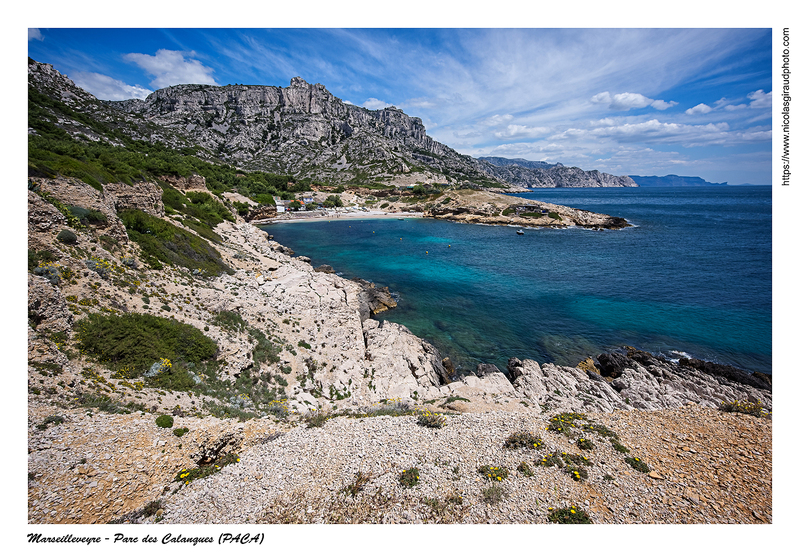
137 341
164 243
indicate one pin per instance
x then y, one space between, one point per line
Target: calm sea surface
692 277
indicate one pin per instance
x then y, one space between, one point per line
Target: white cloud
106 88
496 120
170 67
629 100
35 34
661 105
760 100
374 103
657 132
735 107
699 108
520 131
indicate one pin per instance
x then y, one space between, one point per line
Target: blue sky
693 102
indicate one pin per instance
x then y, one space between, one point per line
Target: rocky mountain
520 172
518 161
302 130
306 131
673 180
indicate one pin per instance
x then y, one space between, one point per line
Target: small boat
520 232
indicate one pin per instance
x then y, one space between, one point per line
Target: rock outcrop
484 207
635 380
374 300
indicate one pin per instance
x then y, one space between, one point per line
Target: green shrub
523 439
619 447
409 477
494 494
316 419
525 469
638 464
67 237
56 420
88 216
584 444
35 258
180 431
568 515
139 340
553 215
426 418
494 473
165 420
231 321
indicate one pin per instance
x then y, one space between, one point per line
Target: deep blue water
693 276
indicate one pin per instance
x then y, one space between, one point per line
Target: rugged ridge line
527 174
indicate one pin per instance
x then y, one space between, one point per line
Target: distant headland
672 180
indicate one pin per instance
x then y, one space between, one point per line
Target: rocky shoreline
94 465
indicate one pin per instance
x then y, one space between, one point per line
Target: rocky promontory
486 207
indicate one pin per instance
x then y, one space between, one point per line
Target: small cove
692 276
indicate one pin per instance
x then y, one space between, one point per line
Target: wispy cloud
170 68
106 88
629 100
35 34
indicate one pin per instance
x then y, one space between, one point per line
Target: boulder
374 300
612 364
485 369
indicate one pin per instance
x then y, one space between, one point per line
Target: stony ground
705 467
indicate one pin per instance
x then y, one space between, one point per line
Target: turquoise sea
691 277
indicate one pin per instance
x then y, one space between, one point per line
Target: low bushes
140 340
165 421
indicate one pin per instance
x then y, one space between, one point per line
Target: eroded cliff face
557 176
302 130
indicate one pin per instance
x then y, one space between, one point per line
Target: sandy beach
316 216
